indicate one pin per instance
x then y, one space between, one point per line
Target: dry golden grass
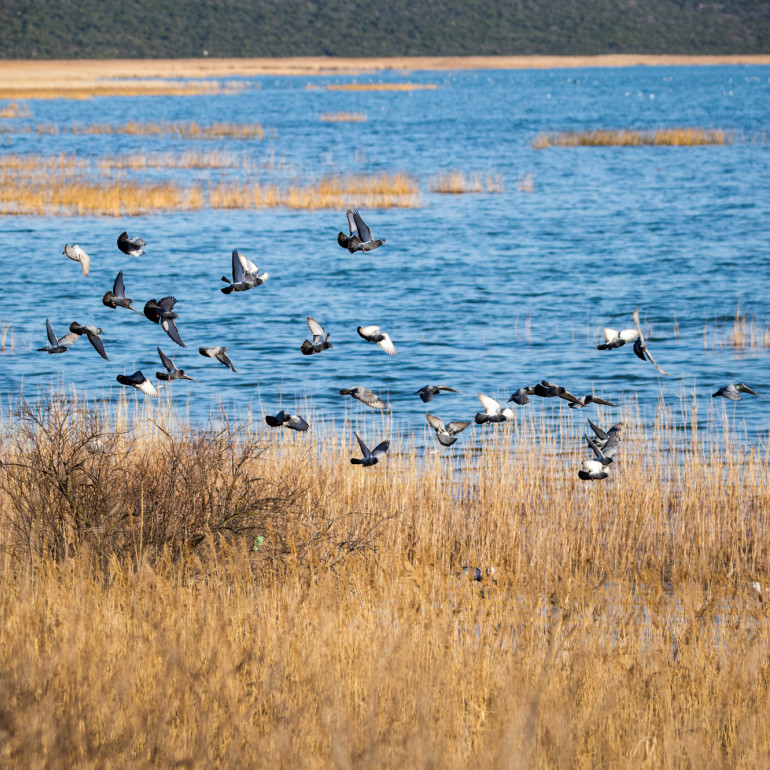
669 137
382 190
344 117
134 87
744 333
236 597
70 185
381 86
178 130
459 182
14 110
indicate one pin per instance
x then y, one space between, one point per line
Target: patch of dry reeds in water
344 117
458 182
668 137
69 185
231 596
744 333
117 87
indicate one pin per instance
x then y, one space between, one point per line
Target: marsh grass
344 117
744 333
228 595
70 185
190 130
668 137
458 182
15 110
132 87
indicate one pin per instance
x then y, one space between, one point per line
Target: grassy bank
174 594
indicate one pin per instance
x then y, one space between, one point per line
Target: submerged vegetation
458 182
132 87
667 137
182 594
744 333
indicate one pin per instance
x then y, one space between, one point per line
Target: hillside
90 29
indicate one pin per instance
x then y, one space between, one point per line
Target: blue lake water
483 292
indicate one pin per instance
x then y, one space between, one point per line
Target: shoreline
16 71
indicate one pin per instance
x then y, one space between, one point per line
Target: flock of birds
246 276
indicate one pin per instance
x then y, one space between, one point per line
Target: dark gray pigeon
131 246
54 345
172 372
139 381
732 392
220 354
283 418
117 297
446 434
92 332
363 240
369 458
246 275
320 339
365 396
427 392
163 313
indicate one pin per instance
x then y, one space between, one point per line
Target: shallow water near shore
485 292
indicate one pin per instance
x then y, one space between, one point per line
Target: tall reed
238 596
669 137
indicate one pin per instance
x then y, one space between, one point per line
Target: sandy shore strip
89 71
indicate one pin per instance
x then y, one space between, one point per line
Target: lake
485 292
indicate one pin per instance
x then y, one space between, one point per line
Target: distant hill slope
89 29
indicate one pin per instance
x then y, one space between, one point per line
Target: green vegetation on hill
49 29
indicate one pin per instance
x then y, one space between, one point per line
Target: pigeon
476 574
521 396
592 470
546 389
139 381
163 313
369 458
220 354
246 275
54 345
365 396
373 334
347 240
293 421
131 246
493 412
362 240
76 254
610 442
117 297
446 434
615 339
92 332
732 392
640 347
171 373
320 339
583 401
427 392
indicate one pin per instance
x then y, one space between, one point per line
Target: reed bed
68 185
382 190
225 595
381 86
133 87
667 137
744 333
15 110
190 130
344 117
457 182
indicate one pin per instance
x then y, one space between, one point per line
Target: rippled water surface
484 292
